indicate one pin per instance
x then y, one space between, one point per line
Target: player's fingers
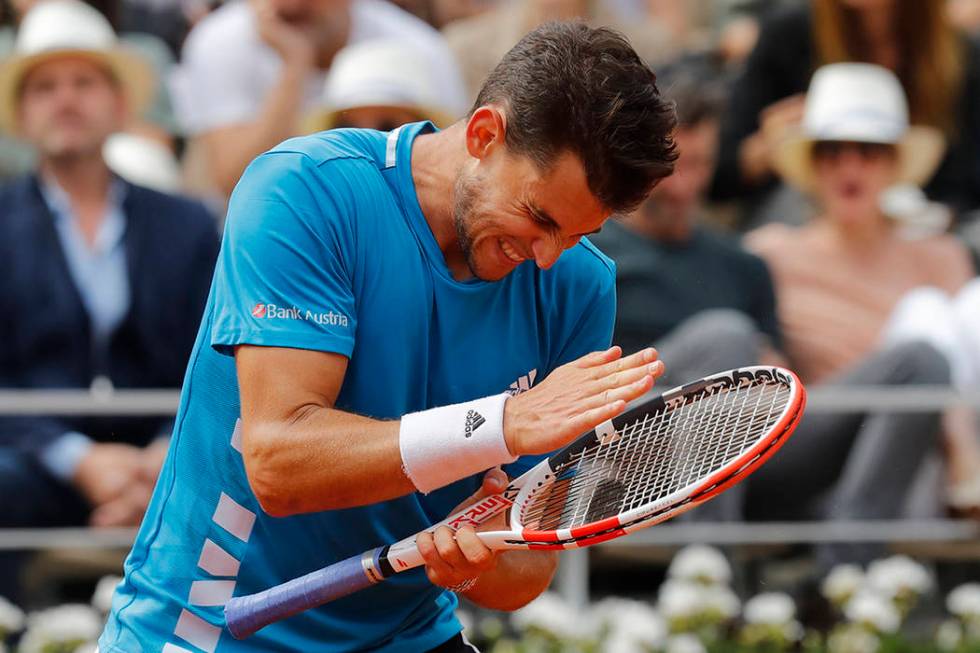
626 377
445 542
593 417
477 553
599 357
439 572
638 359
626 393
494 481
427 549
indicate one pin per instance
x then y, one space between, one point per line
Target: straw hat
55 28
861 103
379 73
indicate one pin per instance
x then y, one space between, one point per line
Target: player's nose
546 251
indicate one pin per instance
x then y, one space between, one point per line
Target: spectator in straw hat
379 84
837 280
107 279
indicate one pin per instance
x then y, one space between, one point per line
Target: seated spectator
938 66
838 279
253 69
379 85
692 292
155 120
107 279
481 40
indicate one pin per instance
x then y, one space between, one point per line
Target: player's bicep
275 382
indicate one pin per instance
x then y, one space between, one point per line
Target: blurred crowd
824 213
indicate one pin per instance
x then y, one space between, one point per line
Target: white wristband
442 445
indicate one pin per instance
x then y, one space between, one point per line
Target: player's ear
485 130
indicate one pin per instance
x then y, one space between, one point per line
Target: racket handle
246 614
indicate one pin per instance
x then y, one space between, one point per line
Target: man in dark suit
102 283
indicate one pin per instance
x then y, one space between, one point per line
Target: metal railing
573 579
909 399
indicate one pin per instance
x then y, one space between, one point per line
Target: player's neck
436 159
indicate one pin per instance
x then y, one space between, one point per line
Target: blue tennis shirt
326 248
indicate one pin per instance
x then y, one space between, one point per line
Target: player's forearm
323 459
231 150
518 578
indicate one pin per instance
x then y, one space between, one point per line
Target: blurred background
824 214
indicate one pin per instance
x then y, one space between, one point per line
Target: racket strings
656 455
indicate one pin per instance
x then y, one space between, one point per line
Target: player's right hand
576 398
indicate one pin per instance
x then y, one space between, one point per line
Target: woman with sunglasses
837 280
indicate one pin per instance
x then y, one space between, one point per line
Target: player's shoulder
358 148
338 163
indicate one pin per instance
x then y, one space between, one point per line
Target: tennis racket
662 456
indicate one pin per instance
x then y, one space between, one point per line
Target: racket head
662 456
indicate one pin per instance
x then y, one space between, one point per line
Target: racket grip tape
245 615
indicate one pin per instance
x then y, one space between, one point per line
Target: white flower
102 597
852 640
685 643
620 642
896 574
11 617
701 563
842 583
721 600
949 635
772 608
964 601
680 599
549 612
793 631
874 610
631 621
65 623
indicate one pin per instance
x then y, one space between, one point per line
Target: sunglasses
867 151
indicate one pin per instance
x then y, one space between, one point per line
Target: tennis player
389 319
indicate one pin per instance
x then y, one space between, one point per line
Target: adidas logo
523 384
474 420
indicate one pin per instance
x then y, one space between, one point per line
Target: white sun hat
380 73
56 28
142 161
861 103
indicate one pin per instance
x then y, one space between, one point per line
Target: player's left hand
454 557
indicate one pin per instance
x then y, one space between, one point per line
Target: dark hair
695 88
567 86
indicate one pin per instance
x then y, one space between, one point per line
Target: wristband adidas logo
474 420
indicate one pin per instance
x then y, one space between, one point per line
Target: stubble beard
464 196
